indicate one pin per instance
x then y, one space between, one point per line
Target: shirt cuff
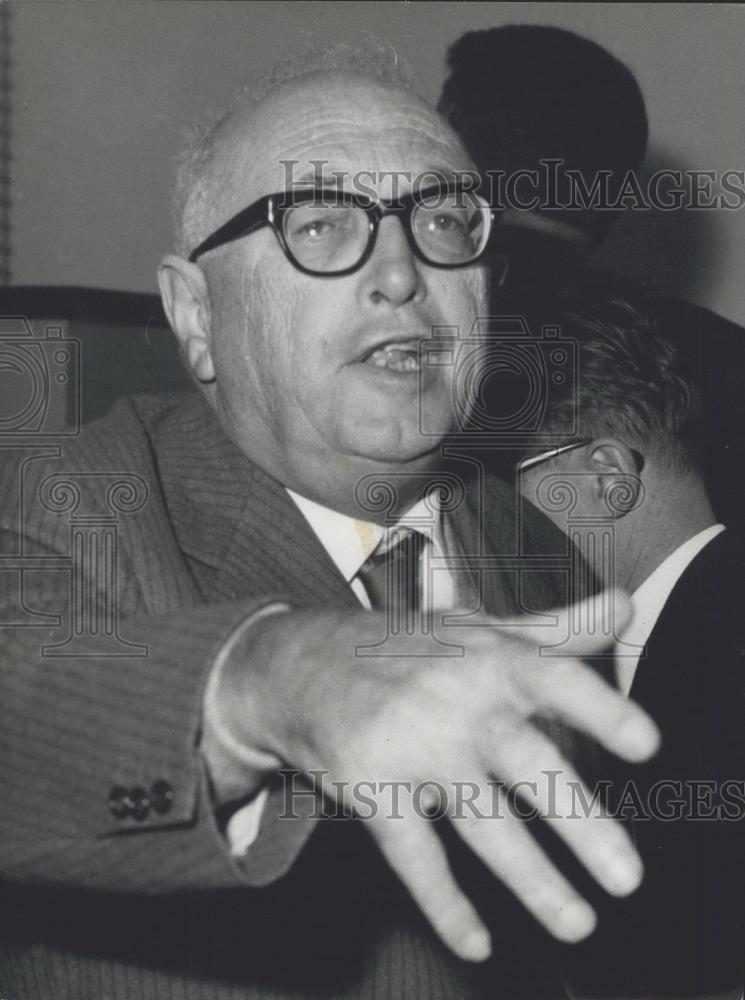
243 826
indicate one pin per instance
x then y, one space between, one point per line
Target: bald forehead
347 108
351 122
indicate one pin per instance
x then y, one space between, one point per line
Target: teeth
396 357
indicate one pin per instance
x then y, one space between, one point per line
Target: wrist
236 760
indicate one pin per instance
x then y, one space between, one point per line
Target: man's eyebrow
330 177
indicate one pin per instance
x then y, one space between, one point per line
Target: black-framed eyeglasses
324 231
545 456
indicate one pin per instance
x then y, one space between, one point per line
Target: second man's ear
183 289
616 469
609 456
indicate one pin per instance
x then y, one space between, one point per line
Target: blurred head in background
529 98
621 443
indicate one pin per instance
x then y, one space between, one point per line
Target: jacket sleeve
101 782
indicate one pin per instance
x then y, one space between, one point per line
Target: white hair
367 57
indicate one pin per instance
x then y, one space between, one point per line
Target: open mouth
396 356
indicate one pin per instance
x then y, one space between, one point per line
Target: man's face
298 383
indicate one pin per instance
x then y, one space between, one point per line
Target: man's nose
392 273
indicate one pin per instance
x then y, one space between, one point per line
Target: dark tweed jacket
101 901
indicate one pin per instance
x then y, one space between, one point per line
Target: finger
572 692
583 629
504 844
531 765
414 852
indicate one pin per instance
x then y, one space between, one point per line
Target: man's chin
414 450
349 475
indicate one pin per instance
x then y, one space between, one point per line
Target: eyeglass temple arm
240 225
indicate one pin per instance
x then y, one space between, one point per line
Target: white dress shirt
649 599
349 542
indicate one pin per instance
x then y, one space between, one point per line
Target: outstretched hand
455 722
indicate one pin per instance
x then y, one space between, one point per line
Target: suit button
119 802
140 803
161 797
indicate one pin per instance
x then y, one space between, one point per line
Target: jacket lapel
242 534
274 548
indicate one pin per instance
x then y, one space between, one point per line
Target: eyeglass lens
448 228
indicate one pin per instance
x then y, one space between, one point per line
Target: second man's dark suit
682 933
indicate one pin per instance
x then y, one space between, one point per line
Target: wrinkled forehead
335 126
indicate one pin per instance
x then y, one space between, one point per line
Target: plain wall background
103 89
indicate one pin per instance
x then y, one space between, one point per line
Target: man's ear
183 289
616 475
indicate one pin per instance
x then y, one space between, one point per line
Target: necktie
391 576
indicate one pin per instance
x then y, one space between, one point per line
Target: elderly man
148 846
628 488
